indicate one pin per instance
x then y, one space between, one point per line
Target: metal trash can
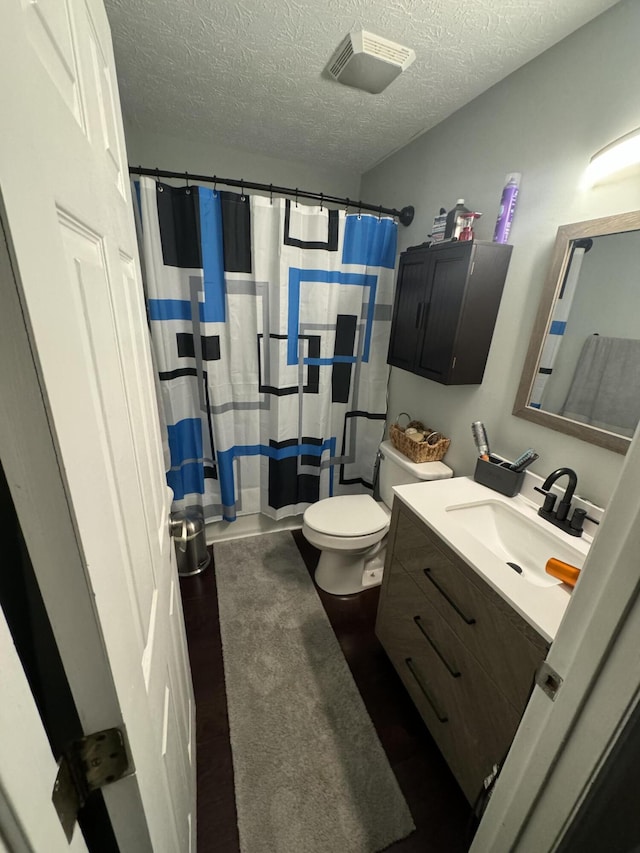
187 529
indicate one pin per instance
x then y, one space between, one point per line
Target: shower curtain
558 324
270 324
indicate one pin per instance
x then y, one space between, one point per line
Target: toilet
351 530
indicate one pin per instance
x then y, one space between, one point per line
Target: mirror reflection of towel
605 391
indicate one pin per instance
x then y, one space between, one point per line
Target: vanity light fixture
619 155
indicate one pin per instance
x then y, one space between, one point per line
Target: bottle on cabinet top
467 232
507 207
455 222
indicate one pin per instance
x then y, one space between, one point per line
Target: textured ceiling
249 74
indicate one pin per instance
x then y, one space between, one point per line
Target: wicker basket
432 449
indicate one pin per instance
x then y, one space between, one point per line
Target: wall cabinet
445 309
467 659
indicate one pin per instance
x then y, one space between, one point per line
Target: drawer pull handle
429 576
453 672
441 717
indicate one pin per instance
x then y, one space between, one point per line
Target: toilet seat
348 516
354 544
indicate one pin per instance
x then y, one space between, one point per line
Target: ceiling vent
369 62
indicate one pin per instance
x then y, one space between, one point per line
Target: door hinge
548 680
88 764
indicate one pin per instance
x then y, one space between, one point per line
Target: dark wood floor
439 809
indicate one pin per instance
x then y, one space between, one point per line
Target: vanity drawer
469 718
418 666
505 645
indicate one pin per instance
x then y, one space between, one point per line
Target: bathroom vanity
466 644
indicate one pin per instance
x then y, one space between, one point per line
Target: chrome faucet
560 516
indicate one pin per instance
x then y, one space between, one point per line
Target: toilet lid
346 515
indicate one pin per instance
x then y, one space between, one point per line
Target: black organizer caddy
497 476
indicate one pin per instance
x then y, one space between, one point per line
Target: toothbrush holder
497 476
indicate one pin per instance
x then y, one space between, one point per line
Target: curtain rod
405 216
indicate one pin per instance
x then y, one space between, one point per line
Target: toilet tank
396 469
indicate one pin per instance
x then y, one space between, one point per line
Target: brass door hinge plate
88 764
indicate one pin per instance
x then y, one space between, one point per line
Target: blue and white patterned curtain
270 323
557 325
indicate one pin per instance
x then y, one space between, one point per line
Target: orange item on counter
567 573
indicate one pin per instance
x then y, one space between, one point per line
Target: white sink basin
516 538
488 530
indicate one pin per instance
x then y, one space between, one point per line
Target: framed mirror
581 375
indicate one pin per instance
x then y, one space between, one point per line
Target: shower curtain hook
215 184
296 196
380 214
321 201
359 210
159 186
242 189
346 207
271 193
188 189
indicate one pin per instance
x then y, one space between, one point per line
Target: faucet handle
577 519
549 499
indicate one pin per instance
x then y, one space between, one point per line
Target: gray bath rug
310 773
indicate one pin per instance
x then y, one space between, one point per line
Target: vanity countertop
541 606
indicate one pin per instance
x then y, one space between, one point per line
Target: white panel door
114 604
28 770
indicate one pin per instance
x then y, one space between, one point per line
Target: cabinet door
487 274
408 310
447 277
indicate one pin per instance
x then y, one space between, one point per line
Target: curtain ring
159 186
271 193
188 189
321 201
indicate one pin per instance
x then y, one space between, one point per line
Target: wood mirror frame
561 253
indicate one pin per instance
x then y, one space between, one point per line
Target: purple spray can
507 207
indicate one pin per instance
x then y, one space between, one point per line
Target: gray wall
176 154
546 120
